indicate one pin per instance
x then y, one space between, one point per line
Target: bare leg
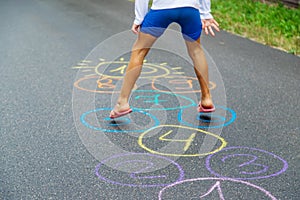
201 69
139 51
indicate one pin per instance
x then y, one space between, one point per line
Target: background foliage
271 24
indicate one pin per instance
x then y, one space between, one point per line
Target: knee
138 56
137 62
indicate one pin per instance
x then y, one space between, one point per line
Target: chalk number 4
186 141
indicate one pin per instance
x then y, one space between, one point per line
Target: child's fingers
211 31
215 22
209 26
206 30
216 27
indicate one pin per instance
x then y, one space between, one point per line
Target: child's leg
139 51
201 69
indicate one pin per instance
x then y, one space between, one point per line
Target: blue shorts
156 22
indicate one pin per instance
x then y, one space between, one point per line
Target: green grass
271 24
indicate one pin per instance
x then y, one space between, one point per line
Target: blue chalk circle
119 125
213 120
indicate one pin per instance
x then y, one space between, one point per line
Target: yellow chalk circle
119 69
166 136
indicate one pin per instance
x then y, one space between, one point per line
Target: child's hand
208 24
135 28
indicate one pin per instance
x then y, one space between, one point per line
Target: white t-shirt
141 7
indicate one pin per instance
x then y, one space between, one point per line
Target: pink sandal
120 114
205 110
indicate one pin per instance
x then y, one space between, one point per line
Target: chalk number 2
252 161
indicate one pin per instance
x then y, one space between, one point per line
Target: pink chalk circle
217 188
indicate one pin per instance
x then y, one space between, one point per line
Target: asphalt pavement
62 64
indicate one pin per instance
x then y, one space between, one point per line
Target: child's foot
120 110
206 105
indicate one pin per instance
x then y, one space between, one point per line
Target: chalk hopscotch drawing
134 169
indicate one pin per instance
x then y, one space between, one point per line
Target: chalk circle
245 163
119 125
109 85
217 119
150 70
139 170
207 187
147 100
179 84
175 146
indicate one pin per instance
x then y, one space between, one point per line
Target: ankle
122 101
206 96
